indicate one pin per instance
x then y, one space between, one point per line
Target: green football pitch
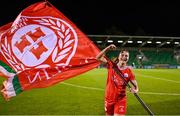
84 95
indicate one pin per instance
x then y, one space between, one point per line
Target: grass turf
84 95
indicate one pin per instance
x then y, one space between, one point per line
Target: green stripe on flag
9 69
16 85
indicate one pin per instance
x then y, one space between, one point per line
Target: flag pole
135 94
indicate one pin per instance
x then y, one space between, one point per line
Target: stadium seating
159 57
151 57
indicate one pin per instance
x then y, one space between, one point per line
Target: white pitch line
100 89
152 93
84 87
149 76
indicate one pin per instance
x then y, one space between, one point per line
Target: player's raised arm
100 56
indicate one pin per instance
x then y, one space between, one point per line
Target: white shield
49 41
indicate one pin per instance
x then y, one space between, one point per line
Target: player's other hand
133 90
111 46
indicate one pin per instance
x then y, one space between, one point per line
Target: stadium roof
137 41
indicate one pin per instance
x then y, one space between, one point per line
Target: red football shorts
119 107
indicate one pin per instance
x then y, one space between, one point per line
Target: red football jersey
115 86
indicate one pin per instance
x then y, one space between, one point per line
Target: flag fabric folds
43 47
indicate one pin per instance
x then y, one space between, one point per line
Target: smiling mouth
124 59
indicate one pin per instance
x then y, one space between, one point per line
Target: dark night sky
157 18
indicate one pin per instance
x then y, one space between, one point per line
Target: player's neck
121 64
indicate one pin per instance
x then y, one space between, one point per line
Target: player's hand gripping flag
43 47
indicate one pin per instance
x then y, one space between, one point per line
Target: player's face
124 56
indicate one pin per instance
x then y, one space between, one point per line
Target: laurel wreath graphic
64 43
60 51
6 51
20 23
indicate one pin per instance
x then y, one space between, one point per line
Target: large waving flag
43 47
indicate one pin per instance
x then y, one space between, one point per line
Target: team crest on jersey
121 108
126 75
38 42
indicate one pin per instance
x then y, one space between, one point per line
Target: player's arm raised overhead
100 56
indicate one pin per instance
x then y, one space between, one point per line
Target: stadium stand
145 51
147 57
